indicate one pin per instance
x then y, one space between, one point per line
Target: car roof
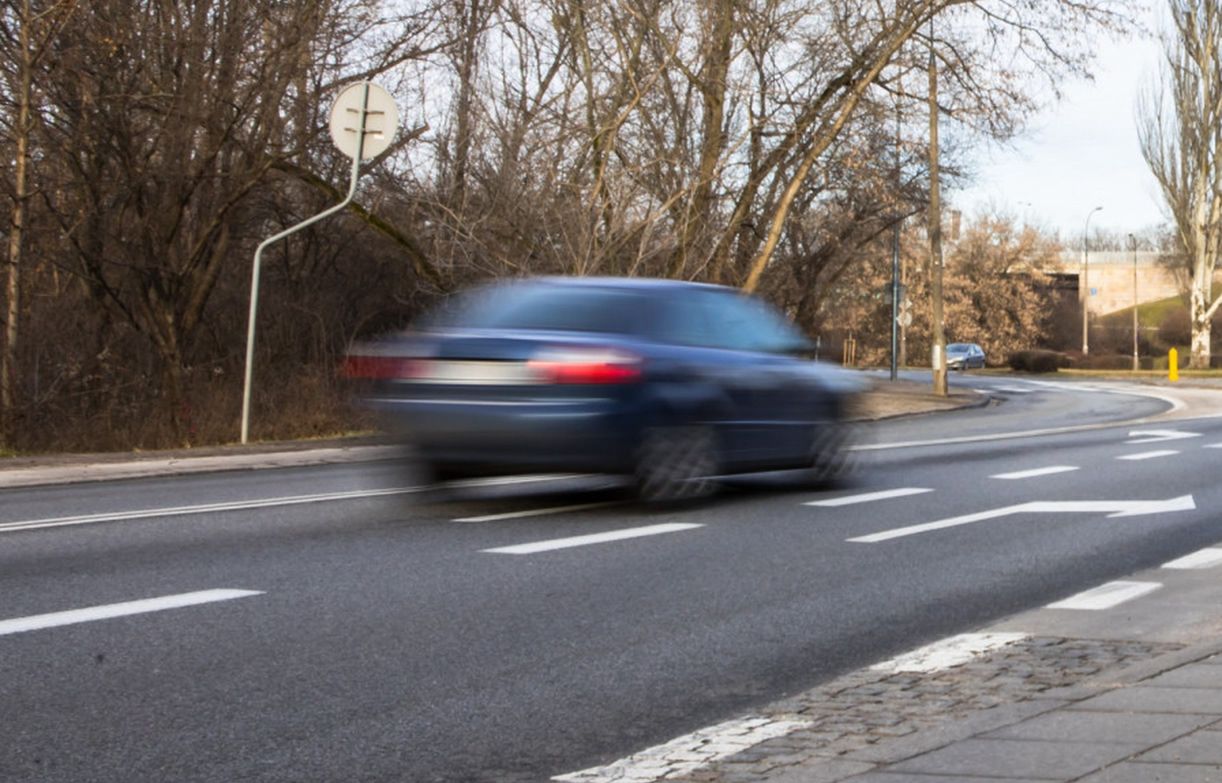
649 283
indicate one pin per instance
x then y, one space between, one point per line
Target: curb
87 471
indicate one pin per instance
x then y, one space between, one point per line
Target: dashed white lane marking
497 481
869 497
109 611
1106 596
690 752
1034 472
948 652
1205 558
1014 389
205 508
536 512
1148 455
1213 446
593 538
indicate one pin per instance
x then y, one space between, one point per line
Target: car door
760 376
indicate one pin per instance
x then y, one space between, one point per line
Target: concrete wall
1110 278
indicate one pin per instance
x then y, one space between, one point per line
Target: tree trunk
1201 322
8 359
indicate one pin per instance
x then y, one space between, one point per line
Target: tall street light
1136 361
1085 279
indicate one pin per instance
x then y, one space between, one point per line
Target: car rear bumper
504 436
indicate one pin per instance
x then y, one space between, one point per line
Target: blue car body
570 374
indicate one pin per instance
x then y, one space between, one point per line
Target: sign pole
362 112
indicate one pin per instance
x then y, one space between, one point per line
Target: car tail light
382 368
582 365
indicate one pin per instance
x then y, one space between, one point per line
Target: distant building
1110 278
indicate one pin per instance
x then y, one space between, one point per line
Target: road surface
331 623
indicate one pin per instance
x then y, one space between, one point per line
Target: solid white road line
1148 455
537 512
1106 596
690 752
243 505
1034 472
1113 508
869 497
1205 558
1013 389
108 611
948 652
204 508
593 538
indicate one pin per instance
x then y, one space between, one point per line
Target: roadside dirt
899 398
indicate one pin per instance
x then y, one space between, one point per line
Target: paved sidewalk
1132 695
1160 720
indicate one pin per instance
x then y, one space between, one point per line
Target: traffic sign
381 120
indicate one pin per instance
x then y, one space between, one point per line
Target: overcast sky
1080 153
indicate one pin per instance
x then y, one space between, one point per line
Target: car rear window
548 308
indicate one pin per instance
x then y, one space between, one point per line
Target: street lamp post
1136 361
1085 280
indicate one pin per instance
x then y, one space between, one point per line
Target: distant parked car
669 382
964 356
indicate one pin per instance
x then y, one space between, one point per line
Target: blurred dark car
964 356
669 382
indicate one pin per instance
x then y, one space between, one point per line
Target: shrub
1035 361
1106 361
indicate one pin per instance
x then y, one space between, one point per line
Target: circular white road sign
381 120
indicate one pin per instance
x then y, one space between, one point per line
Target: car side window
684 319
742 323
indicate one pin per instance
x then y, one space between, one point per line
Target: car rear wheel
676 463
831 462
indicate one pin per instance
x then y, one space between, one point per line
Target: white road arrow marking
1155 436
1113 508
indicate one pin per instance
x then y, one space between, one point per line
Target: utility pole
935 230
896 281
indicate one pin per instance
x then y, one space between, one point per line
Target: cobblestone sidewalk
828 733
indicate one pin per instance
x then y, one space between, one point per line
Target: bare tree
1180 126
26 31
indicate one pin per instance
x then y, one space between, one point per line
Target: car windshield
957 348
546 308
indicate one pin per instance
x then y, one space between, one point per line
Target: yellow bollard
1173 365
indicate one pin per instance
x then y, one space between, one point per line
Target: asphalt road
400 638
